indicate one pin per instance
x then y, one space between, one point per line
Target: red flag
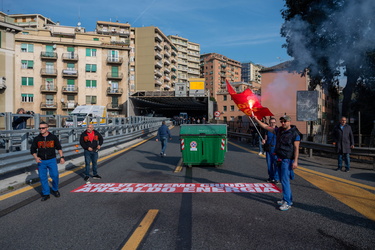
248 102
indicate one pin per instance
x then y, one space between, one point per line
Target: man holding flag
287 139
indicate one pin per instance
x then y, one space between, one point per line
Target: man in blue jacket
163 135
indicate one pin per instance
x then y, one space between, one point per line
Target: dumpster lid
206 129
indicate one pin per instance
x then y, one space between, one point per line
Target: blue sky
243 30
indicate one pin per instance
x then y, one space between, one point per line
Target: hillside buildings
216 69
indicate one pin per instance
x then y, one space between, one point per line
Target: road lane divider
179 167
139 234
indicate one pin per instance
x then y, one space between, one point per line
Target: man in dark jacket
287 150
163 135
43 149
343 140
91 141
19 122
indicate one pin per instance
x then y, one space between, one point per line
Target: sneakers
282 203
285 207
86 178
260 153
97 177
45 197
347 170
56 193
338 169
164 154
161 154
276 182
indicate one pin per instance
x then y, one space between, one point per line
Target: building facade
216 69
60 67
8 31
155 59
188 58
250 74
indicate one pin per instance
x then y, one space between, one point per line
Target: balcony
158 38
48 88
70 73
167 71
70 89
158 55
167 54
48 72
70 56
68 105
158 82
158 73
167 79
114 76
48 105
114 91
114 60
48 55
114 106
167 62
158 65
158 47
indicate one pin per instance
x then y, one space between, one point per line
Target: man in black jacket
287 145
43 149
91 141
344 142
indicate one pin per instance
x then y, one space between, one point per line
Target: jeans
273 173
164 142
346 159
51 166
286 173
91 156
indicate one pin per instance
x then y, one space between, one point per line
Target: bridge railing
320 147
17 155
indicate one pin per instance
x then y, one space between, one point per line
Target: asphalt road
332 210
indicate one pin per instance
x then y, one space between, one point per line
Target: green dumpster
203 144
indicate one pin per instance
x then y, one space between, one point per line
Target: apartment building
8 31
250 74
155 59
59 67
188 58
215 69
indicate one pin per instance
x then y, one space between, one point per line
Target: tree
327 35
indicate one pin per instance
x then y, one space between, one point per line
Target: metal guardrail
113 135
328 148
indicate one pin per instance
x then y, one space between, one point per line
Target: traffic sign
217 113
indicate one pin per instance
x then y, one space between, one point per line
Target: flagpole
251 119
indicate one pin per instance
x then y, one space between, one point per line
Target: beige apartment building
188 58
250 73
59 67
8 31
215 69
155 59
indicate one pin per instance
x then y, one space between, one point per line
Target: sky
242 30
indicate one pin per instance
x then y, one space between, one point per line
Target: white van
88 113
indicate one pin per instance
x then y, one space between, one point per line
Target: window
90 99
231 107
90 52
96 39
27 81
25 64
27 97
70 66
90 83
90 67
225 97
224 108
25 47
232 118
71 84
225 119
49 99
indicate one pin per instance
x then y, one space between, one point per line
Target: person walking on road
43 148
286 150
269 147
343 140
91 141
163 135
